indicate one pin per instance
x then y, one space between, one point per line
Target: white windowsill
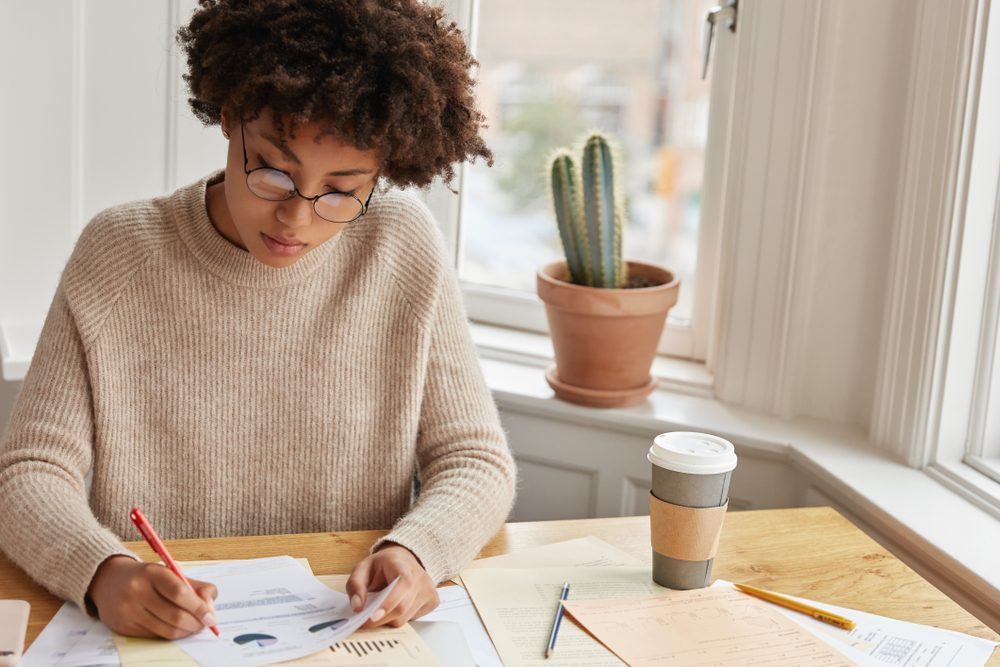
534 349
907 508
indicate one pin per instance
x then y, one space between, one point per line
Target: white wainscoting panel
569 470
635 496
553 489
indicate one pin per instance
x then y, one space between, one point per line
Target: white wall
38 194
94 115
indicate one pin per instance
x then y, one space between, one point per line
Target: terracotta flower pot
605 339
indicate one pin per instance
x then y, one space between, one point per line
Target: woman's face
278 233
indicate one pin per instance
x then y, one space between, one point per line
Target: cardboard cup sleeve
685 533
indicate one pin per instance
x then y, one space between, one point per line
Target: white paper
456 607
879 641
271 610
60 637
95 649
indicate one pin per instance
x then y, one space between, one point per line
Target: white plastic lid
692 453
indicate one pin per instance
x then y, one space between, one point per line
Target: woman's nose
295 212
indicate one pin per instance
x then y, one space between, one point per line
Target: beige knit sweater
226 397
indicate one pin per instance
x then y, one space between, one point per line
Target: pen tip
548 653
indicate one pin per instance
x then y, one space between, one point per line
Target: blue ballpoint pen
557 621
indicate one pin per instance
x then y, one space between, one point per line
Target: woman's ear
225 120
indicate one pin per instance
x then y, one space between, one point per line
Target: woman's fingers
148 600
393 610
168 621
358 584
172 616
179 606
415 593
424 600
415 598
206 591
367 576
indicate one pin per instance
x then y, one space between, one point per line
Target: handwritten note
708 626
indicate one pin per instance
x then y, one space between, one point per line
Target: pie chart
257 638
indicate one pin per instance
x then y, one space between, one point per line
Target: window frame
965 364
514 309
983 448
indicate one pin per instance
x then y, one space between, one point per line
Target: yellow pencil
818 614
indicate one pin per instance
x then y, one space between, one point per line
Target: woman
278 347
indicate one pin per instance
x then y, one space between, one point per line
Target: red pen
156 544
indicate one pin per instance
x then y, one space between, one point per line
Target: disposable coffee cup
690 495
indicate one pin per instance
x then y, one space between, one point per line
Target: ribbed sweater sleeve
47 454
466 470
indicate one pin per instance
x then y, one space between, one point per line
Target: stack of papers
272 610
268 610
517 607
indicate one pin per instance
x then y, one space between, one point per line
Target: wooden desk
812 552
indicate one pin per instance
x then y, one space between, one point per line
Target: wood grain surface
811 552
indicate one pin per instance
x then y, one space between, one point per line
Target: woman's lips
283 247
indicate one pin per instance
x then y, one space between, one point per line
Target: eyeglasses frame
295 188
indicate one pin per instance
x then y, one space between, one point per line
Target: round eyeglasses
275 185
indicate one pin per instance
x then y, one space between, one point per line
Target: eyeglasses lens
270 184
338 207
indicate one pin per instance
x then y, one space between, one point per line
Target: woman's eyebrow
357 171
281 146
287 152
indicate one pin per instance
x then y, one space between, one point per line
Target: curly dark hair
392 75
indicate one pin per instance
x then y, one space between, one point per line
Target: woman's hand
148 600
415 594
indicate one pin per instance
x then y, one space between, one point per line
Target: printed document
879 641
455 607
56 642
270 610
73 639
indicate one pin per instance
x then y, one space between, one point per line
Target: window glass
550 71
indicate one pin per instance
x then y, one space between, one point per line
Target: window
632 69
979 273
968 453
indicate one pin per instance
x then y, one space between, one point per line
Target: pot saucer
598 398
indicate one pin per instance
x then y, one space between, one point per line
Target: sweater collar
222 258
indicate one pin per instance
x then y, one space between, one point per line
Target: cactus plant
589 214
